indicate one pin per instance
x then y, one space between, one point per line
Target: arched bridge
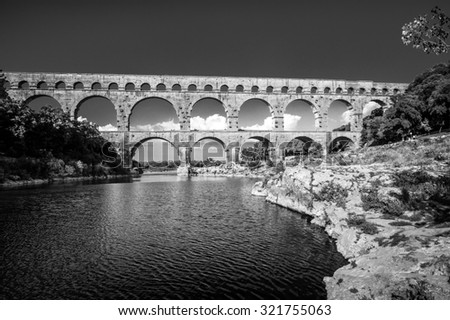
125 91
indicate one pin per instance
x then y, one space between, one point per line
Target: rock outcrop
395 248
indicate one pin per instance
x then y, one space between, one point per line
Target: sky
352 40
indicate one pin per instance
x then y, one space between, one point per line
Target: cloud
108 127
214 122
291 122
81 119
161 126
266 126
346 117
368 108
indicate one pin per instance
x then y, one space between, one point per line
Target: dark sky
355 40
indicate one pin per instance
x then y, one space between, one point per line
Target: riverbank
10 184
392 222
235 170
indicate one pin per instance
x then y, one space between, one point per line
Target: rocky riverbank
231 170
10 184
391 224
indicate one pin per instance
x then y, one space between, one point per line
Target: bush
362 224
334 193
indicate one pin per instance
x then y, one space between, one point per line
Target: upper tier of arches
222 85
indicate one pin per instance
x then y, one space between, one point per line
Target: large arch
299 116
155 152
298 146
371 106
153 114
208 147
340 144
256 148
339 115
208 114
255 114
99 110
36 102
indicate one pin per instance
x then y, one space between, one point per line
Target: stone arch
224 88
312 114
192 87
96 86
255 89
145 87
208 87
362 90
176 87
24 85
76 109
42 85
373 91
269 89
340 143
150 98
130 86
298 146
161 87
284 89
222 143
251 103
313 89
239 88
350 90
78 85
299 89
341 108
339 90
326 90
113 86
137 145
385 91
205 153
219 112
30 99
250 142
60 85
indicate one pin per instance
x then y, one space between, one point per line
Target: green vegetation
333 192
48 144
429 35
423 108
360 222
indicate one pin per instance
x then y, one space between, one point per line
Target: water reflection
162 237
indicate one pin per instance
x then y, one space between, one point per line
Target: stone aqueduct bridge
125 91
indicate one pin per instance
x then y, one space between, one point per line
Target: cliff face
384 224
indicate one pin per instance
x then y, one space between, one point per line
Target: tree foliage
48 136
424 107
428 34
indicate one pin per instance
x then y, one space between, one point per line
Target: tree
429 35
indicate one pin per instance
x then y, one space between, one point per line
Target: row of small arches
61 85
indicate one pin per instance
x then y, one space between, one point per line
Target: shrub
400 223
333 192
360 222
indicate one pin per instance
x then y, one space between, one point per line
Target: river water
160 237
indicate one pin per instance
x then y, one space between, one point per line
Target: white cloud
81 119
291 122
266 126
368 108
214 122
161 126
108 127
346 117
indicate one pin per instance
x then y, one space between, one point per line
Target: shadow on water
160 237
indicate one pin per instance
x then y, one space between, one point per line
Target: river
158 237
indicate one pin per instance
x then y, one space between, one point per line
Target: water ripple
168 238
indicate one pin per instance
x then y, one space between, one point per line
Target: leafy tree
428 34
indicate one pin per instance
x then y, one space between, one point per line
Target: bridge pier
233 154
